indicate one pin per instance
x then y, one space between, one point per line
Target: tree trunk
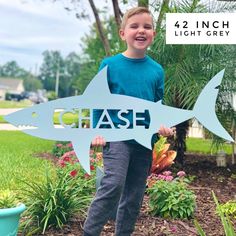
180 141
143 3
117 13
103 37
233 144
163 10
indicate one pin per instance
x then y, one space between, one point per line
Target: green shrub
169 197
228 227
51 95
56 201
229 208
7 199
61 147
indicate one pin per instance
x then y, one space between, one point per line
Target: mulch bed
208 177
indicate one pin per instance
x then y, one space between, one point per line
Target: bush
227 224
63 194
170 197
60 148
229 208
8 199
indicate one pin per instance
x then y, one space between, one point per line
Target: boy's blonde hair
132 12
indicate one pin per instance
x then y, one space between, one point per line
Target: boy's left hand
166 132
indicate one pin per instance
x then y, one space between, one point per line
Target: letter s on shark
97 96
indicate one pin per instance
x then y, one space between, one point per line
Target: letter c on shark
41 125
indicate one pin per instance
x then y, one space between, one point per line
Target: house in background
196 130
12 86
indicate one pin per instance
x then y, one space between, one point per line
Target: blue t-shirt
141 78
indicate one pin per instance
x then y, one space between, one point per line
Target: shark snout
23 119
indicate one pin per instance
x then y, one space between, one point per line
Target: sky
29 27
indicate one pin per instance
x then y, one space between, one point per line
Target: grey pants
126 168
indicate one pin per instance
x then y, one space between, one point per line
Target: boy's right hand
99 141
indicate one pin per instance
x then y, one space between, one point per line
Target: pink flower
86 176
61 163
169 178
59 145
66 158
73 173
69 145
167 173
173 229
163 177
181 174
91 152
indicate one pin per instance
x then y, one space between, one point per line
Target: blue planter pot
99 176
9 220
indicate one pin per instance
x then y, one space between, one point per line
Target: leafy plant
162 157
62 195
170 197
8 199
60 148
229 208
228 227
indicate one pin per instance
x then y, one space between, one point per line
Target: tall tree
100 29
143 3
13 70
53 65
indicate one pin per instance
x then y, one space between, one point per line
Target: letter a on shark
38 120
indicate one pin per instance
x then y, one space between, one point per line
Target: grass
2 120
18 161
203 146
68 118
14 104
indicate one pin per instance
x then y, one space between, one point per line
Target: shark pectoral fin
98 83
82 149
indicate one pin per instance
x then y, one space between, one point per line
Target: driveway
4 112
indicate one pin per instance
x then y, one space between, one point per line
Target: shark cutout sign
38 119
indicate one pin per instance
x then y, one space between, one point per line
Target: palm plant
189 67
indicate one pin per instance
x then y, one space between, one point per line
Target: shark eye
34 115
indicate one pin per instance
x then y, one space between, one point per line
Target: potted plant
10 211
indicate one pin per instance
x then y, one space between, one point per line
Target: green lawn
198 145
68 118
2 120
18 160
14 104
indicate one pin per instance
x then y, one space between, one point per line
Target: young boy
127 163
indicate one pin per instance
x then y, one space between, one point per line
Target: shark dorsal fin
99 84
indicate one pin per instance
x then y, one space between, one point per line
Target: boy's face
138 32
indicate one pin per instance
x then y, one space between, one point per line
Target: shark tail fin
204 108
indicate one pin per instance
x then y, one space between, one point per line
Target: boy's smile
138 34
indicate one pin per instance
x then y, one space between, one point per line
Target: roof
9 83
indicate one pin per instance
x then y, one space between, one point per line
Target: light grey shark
97 96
